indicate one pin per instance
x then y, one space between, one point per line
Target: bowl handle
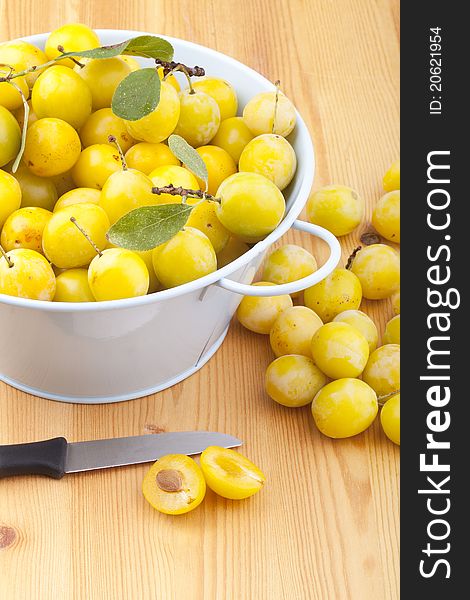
300 284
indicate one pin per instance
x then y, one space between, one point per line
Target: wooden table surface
326 524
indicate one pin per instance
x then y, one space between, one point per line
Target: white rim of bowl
203 282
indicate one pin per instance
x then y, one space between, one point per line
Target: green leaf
103 52
149 226
147 46
188 156
137 95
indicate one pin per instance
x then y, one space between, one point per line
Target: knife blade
56 457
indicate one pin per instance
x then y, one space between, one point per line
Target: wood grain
326 525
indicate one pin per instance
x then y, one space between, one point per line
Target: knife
56 457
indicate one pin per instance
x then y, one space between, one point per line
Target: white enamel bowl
113 351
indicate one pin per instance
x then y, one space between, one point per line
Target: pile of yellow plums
73 184
326 349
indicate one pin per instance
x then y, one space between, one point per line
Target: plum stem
7 258
171 67
85 234
276 103
112 140
74 60
19 156
352 257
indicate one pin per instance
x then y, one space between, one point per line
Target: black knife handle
34 458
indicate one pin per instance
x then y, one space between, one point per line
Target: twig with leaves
138 94
149 226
